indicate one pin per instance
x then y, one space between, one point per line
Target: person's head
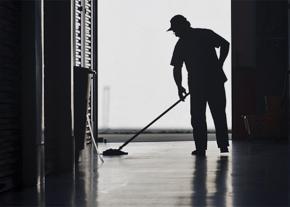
179 25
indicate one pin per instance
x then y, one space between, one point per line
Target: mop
119 152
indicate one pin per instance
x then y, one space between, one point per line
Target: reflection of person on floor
220 197
200 184
196 48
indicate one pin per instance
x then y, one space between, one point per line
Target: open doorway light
134 51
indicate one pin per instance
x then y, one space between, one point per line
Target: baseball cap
176 21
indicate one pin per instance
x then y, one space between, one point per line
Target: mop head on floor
114 152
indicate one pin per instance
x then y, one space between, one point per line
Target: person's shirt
197 50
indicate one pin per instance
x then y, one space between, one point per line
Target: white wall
134 55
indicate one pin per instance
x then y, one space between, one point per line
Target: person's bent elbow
225 44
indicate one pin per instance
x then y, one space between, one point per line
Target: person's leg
198 120
217 105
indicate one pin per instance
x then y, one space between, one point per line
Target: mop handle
142 130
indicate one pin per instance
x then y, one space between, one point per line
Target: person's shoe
200 153
224 149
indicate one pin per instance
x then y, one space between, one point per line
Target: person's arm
178 80
219 42
177 62
224 50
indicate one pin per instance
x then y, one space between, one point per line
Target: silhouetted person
196 48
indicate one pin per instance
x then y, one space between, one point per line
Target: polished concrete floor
165 174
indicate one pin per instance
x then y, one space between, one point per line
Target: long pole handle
152 122
93 138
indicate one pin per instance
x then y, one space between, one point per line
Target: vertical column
32 93
58 86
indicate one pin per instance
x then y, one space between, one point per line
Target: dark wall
59 142
259 60
243 63
19 111
272 47
10 101
272 58
21 144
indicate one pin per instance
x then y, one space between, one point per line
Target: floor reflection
79 189
199 182
211 181
223 184
260 173
166 175
87 179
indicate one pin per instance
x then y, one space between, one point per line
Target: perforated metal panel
83 43
78 32
88 34
83 33
9 93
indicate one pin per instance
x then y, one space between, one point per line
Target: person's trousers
216 99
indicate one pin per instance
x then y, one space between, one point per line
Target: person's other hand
181 93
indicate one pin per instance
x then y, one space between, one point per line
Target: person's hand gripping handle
181 93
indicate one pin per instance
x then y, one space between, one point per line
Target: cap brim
170 29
